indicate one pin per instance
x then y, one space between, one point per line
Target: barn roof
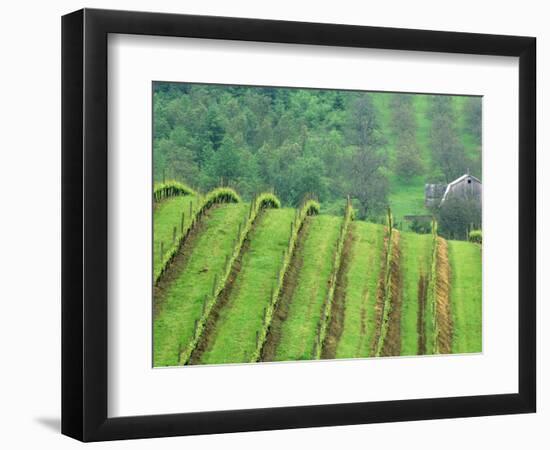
455 182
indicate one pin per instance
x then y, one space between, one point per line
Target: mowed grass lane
182 301
466 290
299 330
416 254
234 337
365 263
166 216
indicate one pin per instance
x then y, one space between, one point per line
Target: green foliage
420 226
220 195
447 148
268 200
408 161
170 189
379 147
457 216
368 180
475 236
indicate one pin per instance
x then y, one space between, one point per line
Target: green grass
182 302
466 289
361 287
416 254
234 338
166 216
299 331
407 198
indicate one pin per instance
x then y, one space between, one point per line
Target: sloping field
361 284
180 297
466 281
298 332
417 299
166 216
233 338
416 254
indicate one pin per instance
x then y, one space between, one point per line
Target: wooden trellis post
182 221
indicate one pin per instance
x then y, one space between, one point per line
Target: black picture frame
84 224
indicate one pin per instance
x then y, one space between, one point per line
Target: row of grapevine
170 189
309 207
257 205
216 196
386 290
337 259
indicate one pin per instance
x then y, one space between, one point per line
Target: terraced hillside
257 282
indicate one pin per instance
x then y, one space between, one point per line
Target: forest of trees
297 141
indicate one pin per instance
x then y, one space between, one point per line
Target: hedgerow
218 195
337 260
170 189
258 204
309 207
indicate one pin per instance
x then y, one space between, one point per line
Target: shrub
220 195
170 189
312 208
420 226
456 217
268 200
475 236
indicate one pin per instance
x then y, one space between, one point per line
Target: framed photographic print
273 224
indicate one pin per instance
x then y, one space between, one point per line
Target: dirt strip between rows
443 304
290 281
392 343
336 325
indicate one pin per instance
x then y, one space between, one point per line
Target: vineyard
249 281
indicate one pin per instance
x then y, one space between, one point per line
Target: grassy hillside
466 289
234 337
361 281
181 294
416 251
167 215
354 326
299 330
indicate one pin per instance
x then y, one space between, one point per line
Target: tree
306 176
368 181
472 113
456 216
448 151
408 162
